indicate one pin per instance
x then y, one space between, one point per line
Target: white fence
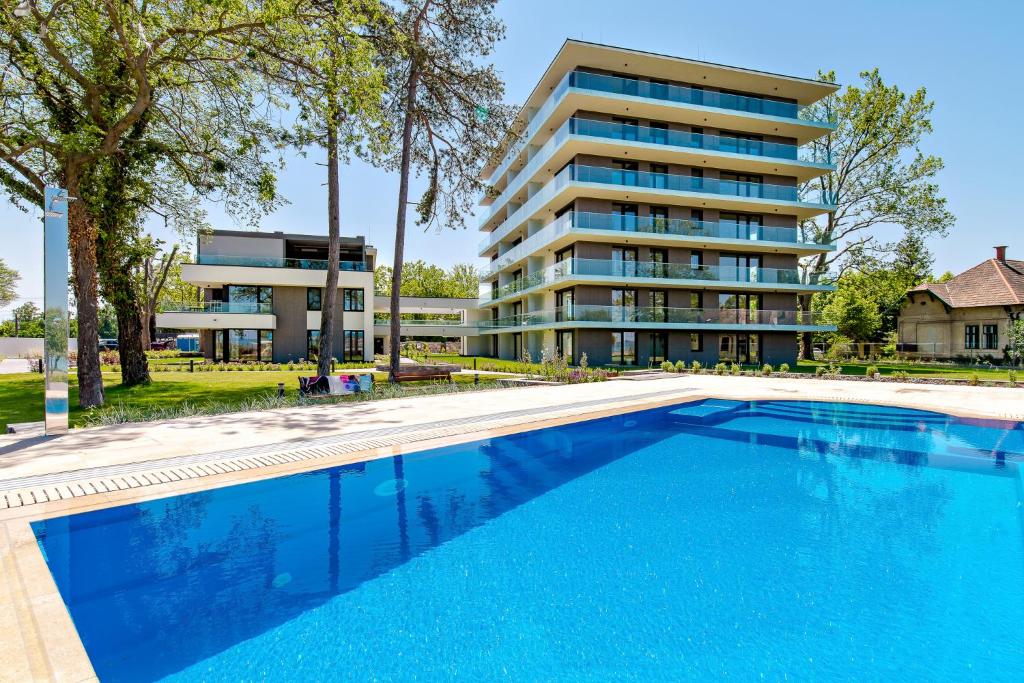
27 347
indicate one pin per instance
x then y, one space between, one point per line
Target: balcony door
740 143
740 308
741 225
564 345
659 306
624 261
624 129
624 217
624 172
741 184
659 348
659 219
623 305
659 263
739 267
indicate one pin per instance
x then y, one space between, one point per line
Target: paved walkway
11 366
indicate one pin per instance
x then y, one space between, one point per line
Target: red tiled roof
990 283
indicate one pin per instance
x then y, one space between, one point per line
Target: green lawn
913 369
21 395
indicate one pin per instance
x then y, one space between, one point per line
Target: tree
97 93
852 309
422 279
945 277
9 278
153 280
1015 335
446 116
882 177
329 69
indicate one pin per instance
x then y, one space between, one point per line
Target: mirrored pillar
55 309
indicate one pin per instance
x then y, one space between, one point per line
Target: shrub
1011 375
680 366
767 370
900 374
695 366
871 370
784 367
720 368
819 371
668 366
973 379
734 370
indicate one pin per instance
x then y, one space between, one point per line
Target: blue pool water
709 539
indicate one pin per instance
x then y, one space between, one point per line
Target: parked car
108 345
163 345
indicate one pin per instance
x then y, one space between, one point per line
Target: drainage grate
75 483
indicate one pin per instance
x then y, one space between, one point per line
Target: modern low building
263 296
967 316
646 208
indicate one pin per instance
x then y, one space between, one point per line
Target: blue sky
968 55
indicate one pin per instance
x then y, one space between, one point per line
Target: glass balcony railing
687 140
656 315
748 104
685 183
223 307
643 179
274 262
627 270
435 322
582 220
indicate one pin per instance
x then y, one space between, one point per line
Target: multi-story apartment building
263 294
648 210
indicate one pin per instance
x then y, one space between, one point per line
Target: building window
970 336
353 300
250 345
564 301
623 348
696 341
623 305
312 344
564 340
659 176
659 347
990 338
739 348
659 306
261 298
353 344
314 298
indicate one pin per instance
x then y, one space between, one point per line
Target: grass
21 395
913 369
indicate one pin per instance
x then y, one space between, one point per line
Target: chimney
1001 253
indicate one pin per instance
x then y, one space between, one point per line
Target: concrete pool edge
48 647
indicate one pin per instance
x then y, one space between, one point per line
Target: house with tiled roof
967 316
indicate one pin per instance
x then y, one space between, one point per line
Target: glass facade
243 345
353 344
623 348
352 300
314 298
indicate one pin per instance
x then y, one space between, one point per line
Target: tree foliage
446 114
9 279
422 279
125 103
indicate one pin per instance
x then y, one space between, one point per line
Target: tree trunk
806 338
327 303
145 327
82 240
403 200
130 348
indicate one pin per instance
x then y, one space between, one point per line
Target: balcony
660 318
607 271
727 110
219 315
747 104
662 230
576 136
274 262
723 194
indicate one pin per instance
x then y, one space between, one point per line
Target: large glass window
741 184
314 298
624 172
741 268
353 300
739 307
624 216
659 176
244 345
659 133
659 219
739 348
266 346
564 301
990 338
626 129
312 344
353 345
564 340
970 336
696 341
250 294
624 305
659 261
218 345
659 305
659 347
623 348
741 226
624 261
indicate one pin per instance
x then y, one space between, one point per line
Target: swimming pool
713 538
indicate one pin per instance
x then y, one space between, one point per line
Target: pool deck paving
43 477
